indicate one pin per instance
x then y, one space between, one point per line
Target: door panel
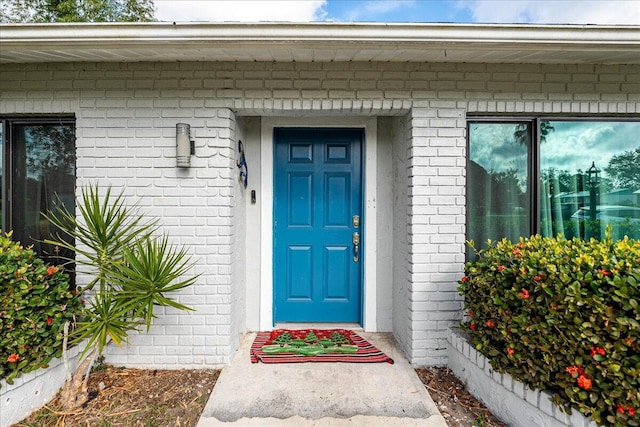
317 191
301 193
338 196
336 264
300 262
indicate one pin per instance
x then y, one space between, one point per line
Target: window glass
43 175
498 193
590 178
1 181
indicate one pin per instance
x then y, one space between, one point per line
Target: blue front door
317 211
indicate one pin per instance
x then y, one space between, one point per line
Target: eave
319 42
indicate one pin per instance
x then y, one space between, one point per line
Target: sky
617 12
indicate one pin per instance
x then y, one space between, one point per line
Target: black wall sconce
185 147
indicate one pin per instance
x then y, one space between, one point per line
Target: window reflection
43 175
589 178
498 194
2 225
612 150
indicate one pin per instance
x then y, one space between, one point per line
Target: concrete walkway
321 394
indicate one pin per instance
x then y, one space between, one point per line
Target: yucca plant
132 270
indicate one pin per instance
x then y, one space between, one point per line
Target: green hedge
562 315
35 302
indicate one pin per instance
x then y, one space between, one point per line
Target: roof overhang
319 42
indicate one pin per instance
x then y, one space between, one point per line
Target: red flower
516 253
470 314
553 306
472 326
631 411
621 409
524 294
49 320
12 358
628 340
464 279
510 351
584 382
604 272
501 267
51 271
490 323
597 350
574 370
507 312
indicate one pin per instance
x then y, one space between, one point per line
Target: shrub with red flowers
562 316
35 302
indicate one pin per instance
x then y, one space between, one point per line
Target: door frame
369 167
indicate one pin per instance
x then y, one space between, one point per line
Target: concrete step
321 394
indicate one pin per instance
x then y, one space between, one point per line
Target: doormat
314 345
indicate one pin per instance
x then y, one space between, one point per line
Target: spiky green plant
133 271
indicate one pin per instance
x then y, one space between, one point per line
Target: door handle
355 238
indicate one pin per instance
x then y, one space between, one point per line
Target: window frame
8 124
532 152
534 172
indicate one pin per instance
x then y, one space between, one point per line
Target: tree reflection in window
43 175
613 147
501 164
498 194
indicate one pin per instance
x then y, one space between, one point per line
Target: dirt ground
458 407
121 397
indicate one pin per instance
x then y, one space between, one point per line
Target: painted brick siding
436 225
196 207
237 249
401 281
126 115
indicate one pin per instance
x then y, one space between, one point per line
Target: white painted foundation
510 400
31 391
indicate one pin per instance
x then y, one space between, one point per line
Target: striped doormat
314 345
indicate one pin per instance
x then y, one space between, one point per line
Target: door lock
355 238
356 221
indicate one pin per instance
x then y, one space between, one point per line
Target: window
551 176
37 173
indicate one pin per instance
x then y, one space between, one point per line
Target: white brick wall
401 277
126 116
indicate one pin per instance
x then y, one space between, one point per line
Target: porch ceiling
319 42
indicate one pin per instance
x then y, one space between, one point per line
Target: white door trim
369 124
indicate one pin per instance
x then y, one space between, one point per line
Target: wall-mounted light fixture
185 147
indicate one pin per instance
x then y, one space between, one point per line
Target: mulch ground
458 407
120 397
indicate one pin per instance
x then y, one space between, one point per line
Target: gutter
381 35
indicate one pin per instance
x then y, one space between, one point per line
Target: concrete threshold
321 394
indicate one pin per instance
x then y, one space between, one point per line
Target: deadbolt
356 221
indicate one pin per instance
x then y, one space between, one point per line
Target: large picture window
37 173
552 176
